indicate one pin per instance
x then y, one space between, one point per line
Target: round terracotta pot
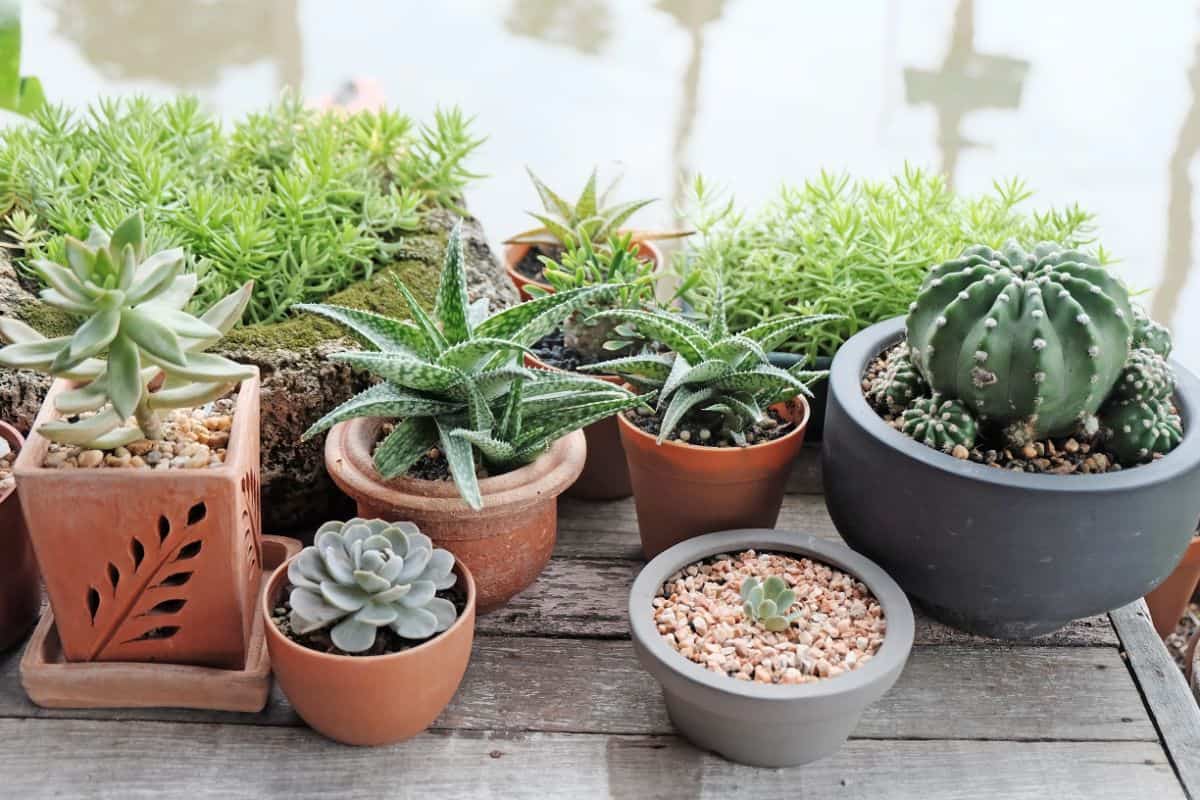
683 490
371 700
605 474
513 253
506 544
20 590
1168 601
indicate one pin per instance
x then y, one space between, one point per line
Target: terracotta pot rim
519 279
351 466
37 445
723 452
275 585
17 442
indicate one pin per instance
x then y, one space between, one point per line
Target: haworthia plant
133 331
452 380
19 93
709 370
363 575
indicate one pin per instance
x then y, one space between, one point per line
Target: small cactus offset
1029 341
363 575
899 384
939 423
1146 376
1138 430
767 602
1149 334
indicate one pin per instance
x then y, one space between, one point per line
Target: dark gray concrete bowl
762 724
997 553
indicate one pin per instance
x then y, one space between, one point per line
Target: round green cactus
363 575
1146 376
939 423
899 384
1030 341
1149 334
1136 431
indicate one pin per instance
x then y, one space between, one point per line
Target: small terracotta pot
1168 601
513 253
371 700
20 591
683 490
506 544
148 565
605 474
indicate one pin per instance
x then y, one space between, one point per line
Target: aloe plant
711 370
133 331
564 223
453 381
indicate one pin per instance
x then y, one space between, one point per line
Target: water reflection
966 81
582 25
184 43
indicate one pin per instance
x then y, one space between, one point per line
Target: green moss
48 321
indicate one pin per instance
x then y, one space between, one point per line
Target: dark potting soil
531 267
1062 455
552 350
707 433
386 640
430 467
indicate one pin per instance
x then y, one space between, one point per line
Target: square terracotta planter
145 565
20 589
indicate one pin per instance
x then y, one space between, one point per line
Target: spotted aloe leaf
387 334
451 308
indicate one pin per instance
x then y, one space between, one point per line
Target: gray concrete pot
1003 554
760 724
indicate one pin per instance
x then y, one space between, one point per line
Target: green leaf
679 368
655 367
618 214
735 349
552 427
514 323
80 258
511 419
478 411
189 395
83 431
404 370
154 275
763 378
550 201
436 342
207 368
33 355
152 336
718 327
126 268
90 397
460 457
228 311
494 450
389 335
469 354
544 382
57 299
14 331
451 305
130 232
124 376
382 400
64 281
404 446
563 234
669 329
774 332
94 335
182 323
705 371
585 207
683 401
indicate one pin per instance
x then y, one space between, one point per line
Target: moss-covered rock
299 383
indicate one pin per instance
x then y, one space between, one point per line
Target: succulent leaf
767 602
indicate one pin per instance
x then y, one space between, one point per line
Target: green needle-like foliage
452 380
302 202
711 370
133 330
855 248
767 602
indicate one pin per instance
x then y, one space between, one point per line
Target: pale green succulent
134 329
363 575
767 602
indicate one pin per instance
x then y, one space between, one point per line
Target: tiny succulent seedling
453 382
767 602
711 370
563 222
363 575
133 331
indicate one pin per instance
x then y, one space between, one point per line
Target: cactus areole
1032 341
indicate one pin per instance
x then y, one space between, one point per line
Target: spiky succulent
940 423
363 575
1137 430
711 371
767 602
134 329
1145 376
899 384
563 222
1029 341
452 380
1149 334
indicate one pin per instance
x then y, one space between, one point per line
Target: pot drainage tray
52 682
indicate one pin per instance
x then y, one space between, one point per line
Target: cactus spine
899 384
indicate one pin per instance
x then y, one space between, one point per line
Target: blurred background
1091 103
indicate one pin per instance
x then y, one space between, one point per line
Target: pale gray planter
998 553
760 724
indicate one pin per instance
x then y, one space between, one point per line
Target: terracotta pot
684 490
371 700
20 591
605 474
506 544
513 253
147 565
1168 601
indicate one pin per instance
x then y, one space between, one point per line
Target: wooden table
555 705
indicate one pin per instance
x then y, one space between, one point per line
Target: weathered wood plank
64 758
562 685
1166 692
806 474
588 597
